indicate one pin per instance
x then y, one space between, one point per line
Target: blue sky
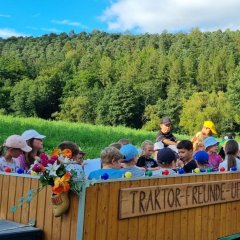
35 17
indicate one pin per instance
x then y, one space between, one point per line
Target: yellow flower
61 184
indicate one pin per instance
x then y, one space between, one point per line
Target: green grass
91 138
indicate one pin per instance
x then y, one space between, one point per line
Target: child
76 159
145 160
201 158
211 145
12 148
231 160
185 152
111 158
165 135
35 141
208 129
165 158
157 146
130 154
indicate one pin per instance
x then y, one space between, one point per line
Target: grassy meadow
91 138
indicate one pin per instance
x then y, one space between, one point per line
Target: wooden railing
101 213
39 209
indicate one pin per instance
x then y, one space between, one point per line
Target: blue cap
129 151
210 141
201 157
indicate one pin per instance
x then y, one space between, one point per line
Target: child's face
212 148
37 144
148 151
206 131
185 155
165 127
15 152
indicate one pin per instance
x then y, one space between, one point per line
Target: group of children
123 159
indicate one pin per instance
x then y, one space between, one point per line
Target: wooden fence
100 219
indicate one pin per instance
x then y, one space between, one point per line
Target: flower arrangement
54 171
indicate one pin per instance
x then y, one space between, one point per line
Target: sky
39 17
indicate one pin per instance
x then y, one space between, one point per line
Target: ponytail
231 160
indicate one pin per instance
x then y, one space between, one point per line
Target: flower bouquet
54 171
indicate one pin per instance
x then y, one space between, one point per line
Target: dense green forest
124 79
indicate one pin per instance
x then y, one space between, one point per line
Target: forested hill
124 79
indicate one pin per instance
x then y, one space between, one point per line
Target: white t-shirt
4 164
225 164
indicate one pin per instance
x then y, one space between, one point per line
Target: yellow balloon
128 174
197 170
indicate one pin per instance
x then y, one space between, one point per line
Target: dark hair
185 144
70 145
29 158
116 145
231 150
124 141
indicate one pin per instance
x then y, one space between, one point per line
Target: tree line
124 79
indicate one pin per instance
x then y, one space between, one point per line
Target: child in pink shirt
211 145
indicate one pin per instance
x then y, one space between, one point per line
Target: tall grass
91 138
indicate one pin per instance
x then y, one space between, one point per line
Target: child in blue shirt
111 161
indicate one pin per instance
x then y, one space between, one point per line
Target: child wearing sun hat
208 130
211 145
11 149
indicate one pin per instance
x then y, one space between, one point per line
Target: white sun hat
29 134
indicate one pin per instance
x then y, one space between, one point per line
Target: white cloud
5 15
154 16
70 23
6 33
53 30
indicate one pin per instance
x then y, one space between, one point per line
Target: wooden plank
229 213
19 194
4 202
198 217
184 217
160 229
113 212
11 197
1 187
236 212
48 215
74 199
123 224
176 217
34 202
102 210
152 219
191 215
90 213
25 206
41 206
168 226
133 222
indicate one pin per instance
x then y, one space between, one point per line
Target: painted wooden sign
150 200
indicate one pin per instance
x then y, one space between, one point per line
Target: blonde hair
146 143
110 153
